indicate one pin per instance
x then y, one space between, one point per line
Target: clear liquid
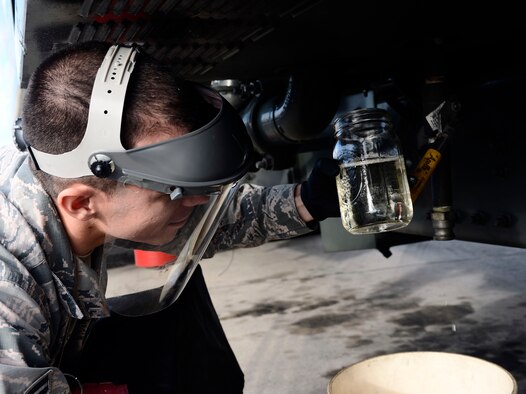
374 196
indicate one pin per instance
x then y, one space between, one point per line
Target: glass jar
373 188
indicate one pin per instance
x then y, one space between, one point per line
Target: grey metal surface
295 314
211 39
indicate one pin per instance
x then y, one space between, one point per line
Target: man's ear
77 201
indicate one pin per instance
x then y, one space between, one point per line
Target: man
113 140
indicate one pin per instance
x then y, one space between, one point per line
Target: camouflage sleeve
24 339
256 215
32 380
18 342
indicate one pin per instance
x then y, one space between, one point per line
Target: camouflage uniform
49 297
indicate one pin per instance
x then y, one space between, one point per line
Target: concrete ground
295 314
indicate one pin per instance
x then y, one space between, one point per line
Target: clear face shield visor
143 278
193 178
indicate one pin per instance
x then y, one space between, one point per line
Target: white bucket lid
423 372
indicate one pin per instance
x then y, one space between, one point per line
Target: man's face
144 215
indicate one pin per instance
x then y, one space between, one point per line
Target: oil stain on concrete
427 308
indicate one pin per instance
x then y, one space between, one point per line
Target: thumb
328 167
318 192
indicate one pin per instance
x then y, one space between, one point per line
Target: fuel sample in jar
373 188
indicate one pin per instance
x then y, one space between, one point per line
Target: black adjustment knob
18 136
101 166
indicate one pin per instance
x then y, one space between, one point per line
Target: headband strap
105 116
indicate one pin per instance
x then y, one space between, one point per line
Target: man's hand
318 193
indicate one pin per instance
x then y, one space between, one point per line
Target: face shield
179 188
144 278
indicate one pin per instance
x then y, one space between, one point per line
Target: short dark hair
56 105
